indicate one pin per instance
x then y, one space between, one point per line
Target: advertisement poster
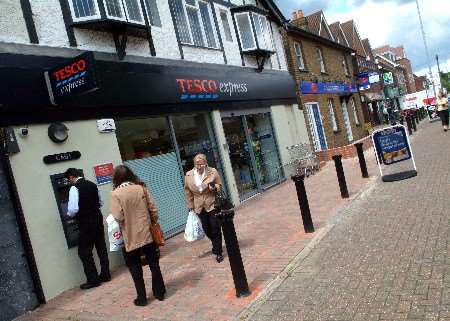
103 173
388 78
392 145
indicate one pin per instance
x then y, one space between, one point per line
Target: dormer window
253 28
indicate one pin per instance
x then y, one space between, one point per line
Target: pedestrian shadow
246 243
187 279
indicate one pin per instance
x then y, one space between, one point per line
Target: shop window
321 60
226 25
194 134
143 137
355 113
334 124
299 55
194 23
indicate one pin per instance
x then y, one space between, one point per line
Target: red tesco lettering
70 70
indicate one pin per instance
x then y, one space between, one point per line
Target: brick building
420 82
322 66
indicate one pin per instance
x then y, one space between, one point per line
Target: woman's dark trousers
133 261
211 227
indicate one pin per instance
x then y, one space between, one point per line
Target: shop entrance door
253 153
315 121
348 125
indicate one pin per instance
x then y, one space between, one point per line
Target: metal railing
303 160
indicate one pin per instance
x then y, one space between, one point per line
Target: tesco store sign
74 78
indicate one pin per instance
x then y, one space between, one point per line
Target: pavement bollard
362 160
413 122
340 175
409 125
402 120
234 253
299 181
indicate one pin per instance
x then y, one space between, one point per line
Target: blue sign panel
363 81
307 87
392 145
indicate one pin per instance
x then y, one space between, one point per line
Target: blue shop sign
307 87
392 145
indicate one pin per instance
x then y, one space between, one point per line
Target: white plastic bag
114 234
193 231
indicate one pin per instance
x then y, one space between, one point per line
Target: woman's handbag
155 228
222 202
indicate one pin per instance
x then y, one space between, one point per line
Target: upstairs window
84 10
226 25
345 66
245 31
299 55
321 61
194 23
120 10
261 31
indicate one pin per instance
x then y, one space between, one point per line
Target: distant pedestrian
84 205
201 185
134 209
442 107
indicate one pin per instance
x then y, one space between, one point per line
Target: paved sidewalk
388 258
270 233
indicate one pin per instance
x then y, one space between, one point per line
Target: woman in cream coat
134 209
200 185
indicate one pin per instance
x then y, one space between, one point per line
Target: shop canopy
124 89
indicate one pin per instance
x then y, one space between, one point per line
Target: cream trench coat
130 208
204 200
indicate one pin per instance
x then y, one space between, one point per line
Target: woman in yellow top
442 107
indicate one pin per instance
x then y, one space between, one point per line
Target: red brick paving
270 233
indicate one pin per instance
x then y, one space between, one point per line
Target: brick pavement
270 232
387 258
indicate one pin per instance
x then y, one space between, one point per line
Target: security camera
24 131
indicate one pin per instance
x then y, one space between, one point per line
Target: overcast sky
393 22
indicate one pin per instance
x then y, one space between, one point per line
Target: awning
125 89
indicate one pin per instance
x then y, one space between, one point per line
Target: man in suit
84 205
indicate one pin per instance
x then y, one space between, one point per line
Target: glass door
259 128
317 130
240 156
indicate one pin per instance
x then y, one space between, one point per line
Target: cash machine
61 187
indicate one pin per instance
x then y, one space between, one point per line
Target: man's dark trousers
92 234
90 222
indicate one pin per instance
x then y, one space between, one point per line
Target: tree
445 80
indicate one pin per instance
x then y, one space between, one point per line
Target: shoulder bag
155 228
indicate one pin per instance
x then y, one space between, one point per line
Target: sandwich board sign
392 146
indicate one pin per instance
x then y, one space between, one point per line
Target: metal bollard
340 175
234 253
402 120
409 125
413 122
362 160
299 181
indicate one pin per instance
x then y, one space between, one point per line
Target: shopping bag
193 231
114 234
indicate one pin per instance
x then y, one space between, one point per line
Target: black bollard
362 160
401 120
234 253
299 181
409 125
340 175
413 122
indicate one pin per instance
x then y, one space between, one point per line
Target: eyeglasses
200 165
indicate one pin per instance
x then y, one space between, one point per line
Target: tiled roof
318 25
351 33
368 48
339 37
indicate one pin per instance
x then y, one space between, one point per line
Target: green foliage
445 80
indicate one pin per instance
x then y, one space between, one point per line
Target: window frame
225 12
149 14
251 29
345 65
125 6
86 18
297 44
332 112
355 112
202 27
321 59
121 6
257 20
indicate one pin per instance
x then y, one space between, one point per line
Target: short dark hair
72 172
123 174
